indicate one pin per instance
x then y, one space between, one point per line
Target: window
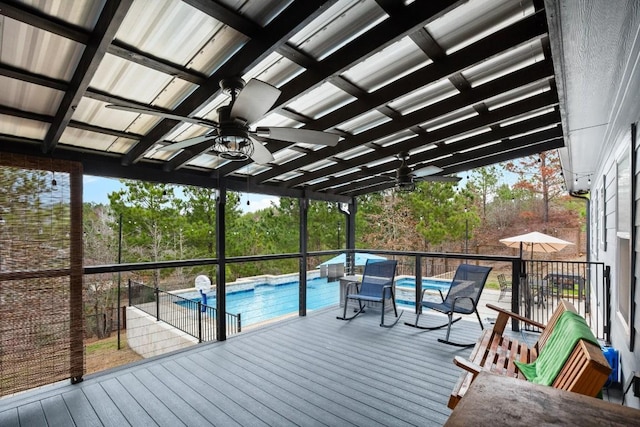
623 227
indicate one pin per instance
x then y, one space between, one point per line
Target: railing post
516 270
157 292
418 270
199 321
239 323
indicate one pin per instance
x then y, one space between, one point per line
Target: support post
221 295
119 273
303 204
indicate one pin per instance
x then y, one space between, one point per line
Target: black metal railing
530 279
190 316
585 284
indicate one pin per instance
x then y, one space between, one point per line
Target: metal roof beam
105 30
276 33
511 81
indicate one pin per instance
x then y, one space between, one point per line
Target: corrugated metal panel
395 138
217 51
321 101
208 161
449 119
83 13
25 128
286 155
364 122
393 62
340 24
425 96
38 51
517 94
318 165
86 139
508 62
354 152
151 26
29 97
122 78
473 20
259 11
276 120
95 113
275 70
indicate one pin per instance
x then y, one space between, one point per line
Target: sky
97 188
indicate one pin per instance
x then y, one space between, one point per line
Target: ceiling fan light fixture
233 147
405 183
406 187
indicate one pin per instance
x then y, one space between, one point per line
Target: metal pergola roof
457 84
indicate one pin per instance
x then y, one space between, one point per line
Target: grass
104 354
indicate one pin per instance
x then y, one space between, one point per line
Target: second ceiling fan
406 177
232 137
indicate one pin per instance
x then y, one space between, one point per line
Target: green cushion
569 329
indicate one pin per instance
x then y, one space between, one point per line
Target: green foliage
324 218
483 181
443 213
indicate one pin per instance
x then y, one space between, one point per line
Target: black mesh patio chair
376 286
462 298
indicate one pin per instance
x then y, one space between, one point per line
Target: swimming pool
262 302
406 290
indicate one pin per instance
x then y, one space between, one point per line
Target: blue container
613 357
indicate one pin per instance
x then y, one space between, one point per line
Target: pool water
265 302
406 290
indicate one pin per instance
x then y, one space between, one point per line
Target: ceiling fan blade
254 100
428 170
186 143
260 153
299 135
152 112
438 178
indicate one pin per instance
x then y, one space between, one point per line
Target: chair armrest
349 285
455 301
516 316
384 290
424 291
472 368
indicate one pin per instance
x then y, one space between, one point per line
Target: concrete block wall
148 337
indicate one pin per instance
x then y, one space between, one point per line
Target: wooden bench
585 371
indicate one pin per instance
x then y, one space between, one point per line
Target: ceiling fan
232 137
406 177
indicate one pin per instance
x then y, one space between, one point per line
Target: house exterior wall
615 230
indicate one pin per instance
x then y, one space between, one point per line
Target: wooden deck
307 371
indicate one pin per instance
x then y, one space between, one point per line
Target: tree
541 175
389 222
444 214
100 247
485 180
149 216
326 225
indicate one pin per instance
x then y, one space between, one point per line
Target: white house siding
607 236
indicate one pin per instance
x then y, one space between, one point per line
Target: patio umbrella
360 259
537 242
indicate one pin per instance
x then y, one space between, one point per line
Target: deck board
310 371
